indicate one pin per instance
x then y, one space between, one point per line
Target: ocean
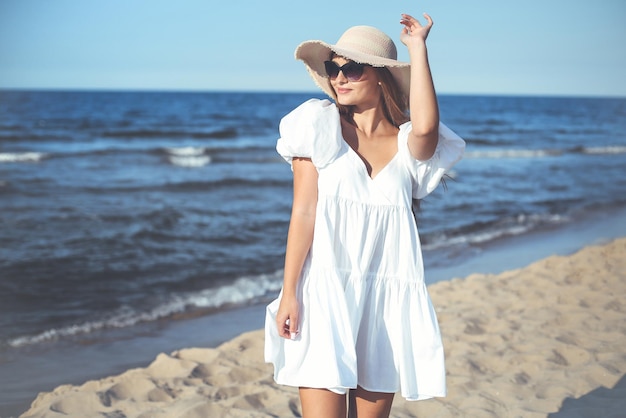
122 213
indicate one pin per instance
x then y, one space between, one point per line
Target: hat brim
314 53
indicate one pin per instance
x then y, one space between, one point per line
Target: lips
343 91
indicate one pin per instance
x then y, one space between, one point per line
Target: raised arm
424 109
299 239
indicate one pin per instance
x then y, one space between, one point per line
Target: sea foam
245 290
188 156
21 157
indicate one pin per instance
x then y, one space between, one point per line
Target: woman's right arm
299 239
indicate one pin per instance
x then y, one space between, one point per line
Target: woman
354 312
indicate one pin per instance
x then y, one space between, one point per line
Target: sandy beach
546 340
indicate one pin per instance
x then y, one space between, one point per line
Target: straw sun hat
361 44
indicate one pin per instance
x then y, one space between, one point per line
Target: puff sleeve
312 130
426 175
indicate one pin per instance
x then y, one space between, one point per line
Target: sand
547 340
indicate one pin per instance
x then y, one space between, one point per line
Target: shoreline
543 340
596 227
40 369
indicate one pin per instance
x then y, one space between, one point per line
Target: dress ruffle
392 350
312 130
427 174
323 354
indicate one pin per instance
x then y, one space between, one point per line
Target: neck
369 120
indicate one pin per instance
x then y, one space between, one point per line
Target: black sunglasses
352 71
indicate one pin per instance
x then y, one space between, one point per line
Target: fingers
428 19
293 327
288 328
408 21
413 29
283 327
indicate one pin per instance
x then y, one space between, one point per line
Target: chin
345 101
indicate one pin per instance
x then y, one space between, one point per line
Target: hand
287 317
413 29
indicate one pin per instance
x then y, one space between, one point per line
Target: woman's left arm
424 109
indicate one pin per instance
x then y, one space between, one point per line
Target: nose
341 78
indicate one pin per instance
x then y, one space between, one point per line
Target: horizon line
270 91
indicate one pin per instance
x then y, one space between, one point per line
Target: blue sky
547 47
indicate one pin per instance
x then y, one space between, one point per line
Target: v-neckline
363 163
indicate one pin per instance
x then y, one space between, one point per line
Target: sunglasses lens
352 71
332 69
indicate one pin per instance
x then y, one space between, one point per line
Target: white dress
365 315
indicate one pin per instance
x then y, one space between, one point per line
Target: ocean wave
190 161
610 149
487 142
22 157
225 133
188 156
513 153
190 186
186 151
245 290
248 150
539 153
510 226
29 136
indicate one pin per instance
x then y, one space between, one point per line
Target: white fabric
312 130
366 317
